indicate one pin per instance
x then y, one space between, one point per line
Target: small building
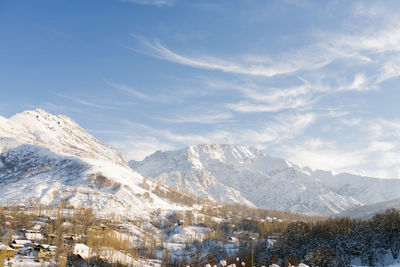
81 250
45 251
19 243
233 240
46 247
69 237
37 227
9 251
33 235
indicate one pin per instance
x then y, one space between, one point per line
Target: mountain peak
58 133
230 154
48 158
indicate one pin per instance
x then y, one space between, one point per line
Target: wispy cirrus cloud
207 118
136 147
88 103
323 51
283 127
373 153
359 83
152 2
248 107
158 97
129 90
261 98
242 65
306 61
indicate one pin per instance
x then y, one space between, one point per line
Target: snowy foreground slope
46 159
239 174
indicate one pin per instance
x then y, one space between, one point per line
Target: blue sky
315 82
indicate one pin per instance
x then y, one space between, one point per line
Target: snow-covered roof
33 236
4 247
37 227
233 239
21 241
81 246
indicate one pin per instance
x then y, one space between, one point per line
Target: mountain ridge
263 180
48 159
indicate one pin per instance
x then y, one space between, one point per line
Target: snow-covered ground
22 261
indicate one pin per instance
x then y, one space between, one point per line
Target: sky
315 82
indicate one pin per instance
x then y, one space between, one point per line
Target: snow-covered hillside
239 174
46 159
369 210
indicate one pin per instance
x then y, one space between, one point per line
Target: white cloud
309 58
382 40
373 151
152 2
138 147
324 154
284 127
210 118
94 105
128 90
360 83
89 103
381 129
247 107
159 97
390 69
273 99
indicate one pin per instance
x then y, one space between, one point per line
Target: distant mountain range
240 174
47 159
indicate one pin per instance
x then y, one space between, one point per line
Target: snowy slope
367 211
239 174
46 158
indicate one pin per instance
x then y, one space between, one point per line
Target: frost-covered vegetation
202 236
341 241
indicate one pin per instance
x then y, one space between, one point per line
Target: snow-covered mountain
239 174
367 211
46 159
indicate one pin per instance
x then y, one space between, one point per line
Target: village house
81 250
45 251
19 243
233 240
33 234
